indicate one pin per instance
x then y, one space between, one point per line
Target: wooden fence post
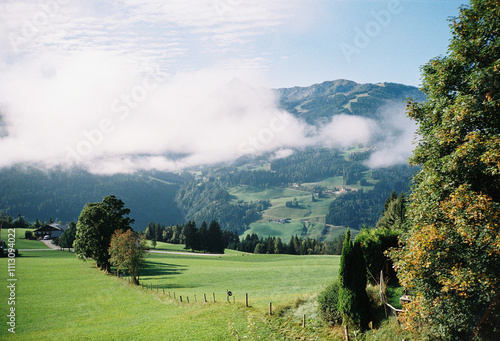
195 298
304 321
346 332
214 296
205 297
270 308
246 299
180 297
187 298
163 291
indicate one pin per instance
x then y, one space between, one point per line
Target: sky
121 86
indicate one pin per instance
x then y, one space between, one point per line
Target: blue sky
288 42
117 83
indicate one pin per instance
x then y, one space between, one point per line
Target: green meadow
59 297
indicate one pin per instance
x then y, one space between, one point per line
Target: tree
394 215
451 250
203 235
374 243
353 303
28 235
214 238
68 237
278 246
127 250
96 225
191 236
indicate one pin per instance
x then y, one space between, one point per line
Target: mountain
318 102
312 192
61 195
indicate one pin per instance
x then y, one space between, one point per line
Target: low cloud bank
97 111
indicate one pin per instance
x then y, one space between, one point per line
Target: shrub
28 235
328 304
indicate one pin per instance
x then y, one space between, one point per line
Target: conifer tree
353 304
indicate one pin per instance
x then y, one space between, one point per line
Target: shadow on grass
161 270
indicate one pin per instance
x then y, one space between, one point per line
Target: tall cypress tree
353 302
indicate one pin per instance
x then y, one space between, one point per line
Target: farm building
51 230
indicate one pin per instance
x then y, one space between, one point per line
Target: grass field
22 243
307 220
59 297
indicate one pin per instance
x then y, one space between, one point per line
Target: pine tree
353 304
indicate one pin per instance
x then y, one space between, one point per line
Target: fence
229 294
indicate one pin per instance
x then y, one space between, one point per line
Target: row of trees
296 246
7 222
205 238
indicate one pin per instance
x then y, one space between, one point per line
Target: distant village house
51 230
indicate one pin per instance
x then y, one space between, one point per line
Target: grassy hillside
61 297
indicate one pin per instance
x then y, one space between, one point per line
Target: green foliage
328 301
28 235
68 237
215 242
274 245
127 250
96 225
374 243
451 250
62 194
353 304
362 208
394 215
207 201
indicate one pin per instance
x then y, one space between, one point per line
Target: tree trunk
134 279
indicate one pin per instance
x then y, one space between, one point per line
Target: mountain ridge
154 195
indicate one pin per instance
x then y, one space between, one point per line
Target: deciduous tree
127 250
68 237
96 225
451 254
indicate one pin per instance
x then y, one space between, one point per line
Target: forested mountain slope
330 187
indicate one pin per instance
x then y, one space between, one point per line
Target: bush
28 235
328 304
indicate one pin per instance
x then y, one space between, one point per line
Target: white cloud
346 130
396 133
118 86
